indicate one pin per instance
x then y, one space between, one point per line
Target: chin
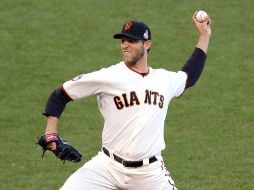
131 63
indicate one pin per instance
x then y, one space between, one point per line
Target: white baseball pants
104 173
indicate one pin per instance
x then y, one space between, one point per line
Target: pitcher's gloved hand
63 150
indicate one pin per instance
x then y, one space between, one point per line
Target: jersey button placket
142 106
141 95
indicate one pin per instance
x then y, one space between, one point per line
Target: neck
141 66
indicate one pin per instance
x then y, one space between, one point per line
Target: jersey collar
142 74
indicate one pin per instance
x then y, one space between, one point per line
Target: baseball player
133 99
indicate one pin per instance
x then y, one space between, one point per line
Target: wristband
52 137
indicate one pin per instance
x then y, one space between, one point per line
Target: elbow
191 81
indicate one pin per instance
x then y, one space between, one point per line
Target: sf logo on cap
127 26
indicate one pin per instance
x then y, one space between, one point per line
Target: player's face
132 50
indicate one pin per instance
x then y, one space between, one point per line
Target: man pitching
133 99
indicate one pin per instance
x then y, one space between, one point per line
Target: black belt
131 164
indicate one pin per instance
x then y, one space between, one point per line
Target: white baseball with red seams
134 107
201 15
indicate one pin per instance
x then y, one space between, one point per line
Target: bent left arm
195 64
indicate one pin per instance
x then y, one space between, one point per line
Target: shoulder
160 72
112 68
114 71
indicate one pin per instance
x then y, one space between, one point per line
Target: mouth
126 52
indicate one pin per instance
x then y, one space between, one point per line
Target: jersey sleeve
180 82
85 85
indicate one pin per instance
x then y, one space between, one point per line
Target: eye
132 41
128 40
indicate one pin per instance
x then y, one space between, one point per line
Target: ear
148 44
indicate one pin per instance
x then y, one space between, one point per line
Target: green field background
209 131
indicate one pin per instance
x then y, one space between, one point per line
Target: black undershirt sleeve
56 103
194 66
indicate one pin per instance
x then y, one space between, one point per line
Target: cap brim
122 35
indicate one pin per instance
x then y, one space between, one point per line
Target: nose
125 43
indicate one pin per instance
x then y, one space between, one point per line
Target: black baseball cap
134 30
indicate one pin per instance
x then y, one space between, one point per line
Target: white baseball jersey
133 106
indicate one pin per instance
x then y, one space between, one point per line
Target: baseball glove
63 151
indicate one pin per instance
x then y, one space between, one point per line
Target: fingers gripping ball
201 15
63 150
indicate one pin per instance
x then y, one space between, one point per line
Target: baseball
201 15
